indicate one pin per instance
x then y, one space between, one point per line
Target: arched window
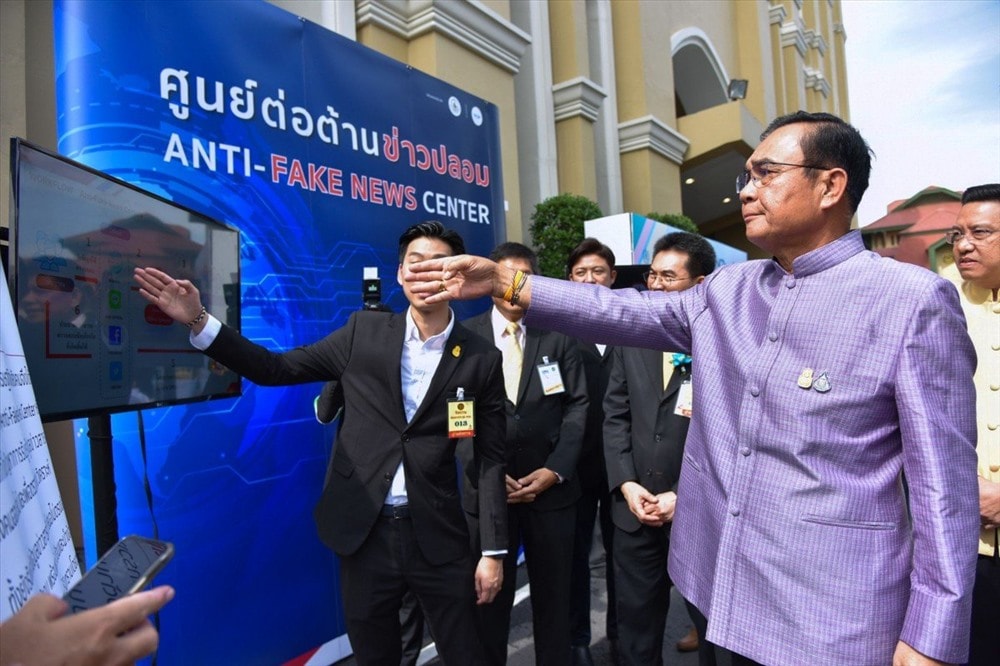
700 79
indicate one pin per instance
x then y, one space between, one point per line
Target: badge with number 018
461 416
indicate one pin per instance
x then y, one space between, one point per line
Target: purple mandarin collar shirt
813 390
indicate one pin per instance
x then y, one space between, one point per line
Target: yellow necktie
513 358
668 368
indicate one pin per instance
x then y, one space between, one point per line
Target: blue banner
321 152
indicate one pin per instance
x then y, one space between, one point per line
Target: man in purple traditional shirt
823 374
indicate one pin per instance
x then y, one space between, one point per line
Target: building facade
912 230
626 102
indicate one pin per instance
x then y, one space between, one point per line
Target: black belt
395 511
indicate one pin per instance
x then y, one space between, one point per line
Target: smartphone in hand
125 569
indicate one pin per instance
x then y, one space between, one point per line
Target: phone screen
126 568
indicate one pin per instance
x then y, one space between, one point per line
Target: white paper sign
36 549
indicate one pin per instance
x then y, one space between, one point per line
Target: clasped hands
528 488
649 509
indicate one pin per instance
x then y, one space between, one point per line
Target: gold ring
443 287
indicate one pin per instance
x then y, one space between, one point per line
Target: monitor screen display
92 343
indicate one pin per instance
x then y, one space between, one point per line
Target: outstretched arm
179 299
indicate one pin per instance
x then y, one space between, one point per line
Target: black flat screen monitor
93 345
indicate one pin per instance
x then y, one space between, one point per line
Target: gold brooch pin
806 378
456 351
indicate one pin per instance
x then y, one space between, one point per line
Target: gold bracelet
510 290
196 320
516 296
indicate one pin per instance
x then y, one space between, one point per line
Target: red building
913 229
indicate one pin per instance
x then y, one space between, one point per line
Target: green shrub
557 227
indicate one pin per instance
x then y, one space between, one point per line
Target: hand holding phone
126 568
117 634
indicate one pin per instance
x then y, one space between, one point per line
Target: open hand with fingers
459 278
178 299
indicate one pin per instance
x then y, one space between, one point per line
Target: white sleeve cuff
207 335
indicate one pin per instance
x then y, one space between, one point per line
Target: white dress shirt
500 329
417 366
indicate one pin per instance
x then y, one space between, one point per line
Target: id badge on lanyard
461 415
552 382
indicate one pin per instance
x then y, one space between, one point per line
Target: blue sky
924 87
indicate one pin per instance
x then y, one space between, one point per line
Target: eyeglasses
762 174
975 236
652 277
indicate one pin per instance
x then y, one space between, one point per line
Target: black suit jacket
374 436
643 438
597 368
542 431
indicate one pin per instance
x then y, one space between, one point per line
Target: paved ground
521 646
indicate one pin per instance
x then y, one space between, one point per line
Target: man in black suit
647 411
546 410
592 262
329 406
390 508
